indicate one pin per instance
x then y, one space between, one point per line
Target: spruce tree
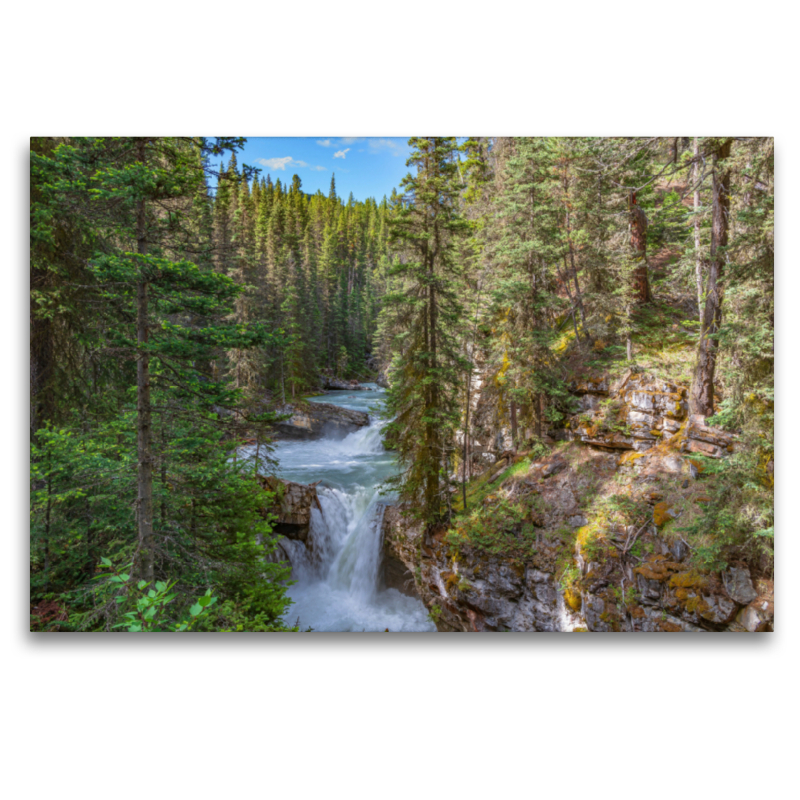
424 314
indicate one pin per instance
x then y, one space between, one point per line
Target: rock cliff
582 539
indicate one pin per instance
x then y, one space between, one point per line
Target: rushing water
337 587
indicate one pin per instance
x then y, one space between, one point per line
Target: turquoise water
337 585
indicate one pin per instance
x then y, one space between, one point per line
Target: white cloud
324 142
377 145
341 153
280 163
286 161
350 139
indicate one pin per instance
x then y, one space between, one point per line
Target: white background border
395 716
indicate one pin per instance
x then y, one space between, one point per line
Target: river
339 590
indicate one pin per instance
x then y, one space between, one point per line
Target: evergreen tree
425 316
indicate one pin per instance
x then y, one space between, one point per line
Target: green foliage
207 506
738 519
435 613
496 527
423 320
142 607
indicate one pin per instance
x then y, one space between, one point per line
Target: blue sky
365 166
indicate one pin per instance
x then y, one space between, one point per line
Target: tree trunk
565 281
641 283
568 225
145 568
698 261
702 396
513 413
539 415
466 441
41 369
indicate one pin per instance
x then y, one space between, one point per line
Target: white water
338 576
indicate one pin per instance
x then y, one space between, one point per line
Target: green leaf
196 609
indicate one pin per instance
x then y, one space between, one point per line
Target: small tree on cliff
423 316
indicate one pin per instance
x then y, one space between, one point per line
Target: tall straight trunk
513 412
145 560
698 261
641 283
539 415
565 281
47 519
702 396
434 436
578 294
432 454
629 334
163 476
42 361
466 471
466 442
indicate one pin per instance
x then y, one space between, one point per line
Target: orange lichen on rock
689 579
663 513
572 598
657 568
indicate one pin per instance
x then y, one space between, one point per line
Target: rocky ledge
314 420
655 590
563 560
290 507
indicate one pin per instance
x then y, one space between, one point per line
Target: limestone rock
291 505
314 420
739 586
758 616
705 440
340 384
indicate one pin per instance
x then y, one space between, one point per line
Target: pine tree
425 315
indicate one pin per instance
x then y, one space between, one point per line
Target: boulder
396 575
705 440
739 586
757 617
291 506
315 420
340 384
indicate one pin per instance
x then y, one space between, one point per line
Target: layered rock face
656 590
291 507
314 420
571 568
638 412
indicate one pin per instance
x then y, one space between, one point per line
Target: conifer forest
530 387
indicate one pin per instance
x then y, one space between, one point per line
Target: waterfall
337 572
